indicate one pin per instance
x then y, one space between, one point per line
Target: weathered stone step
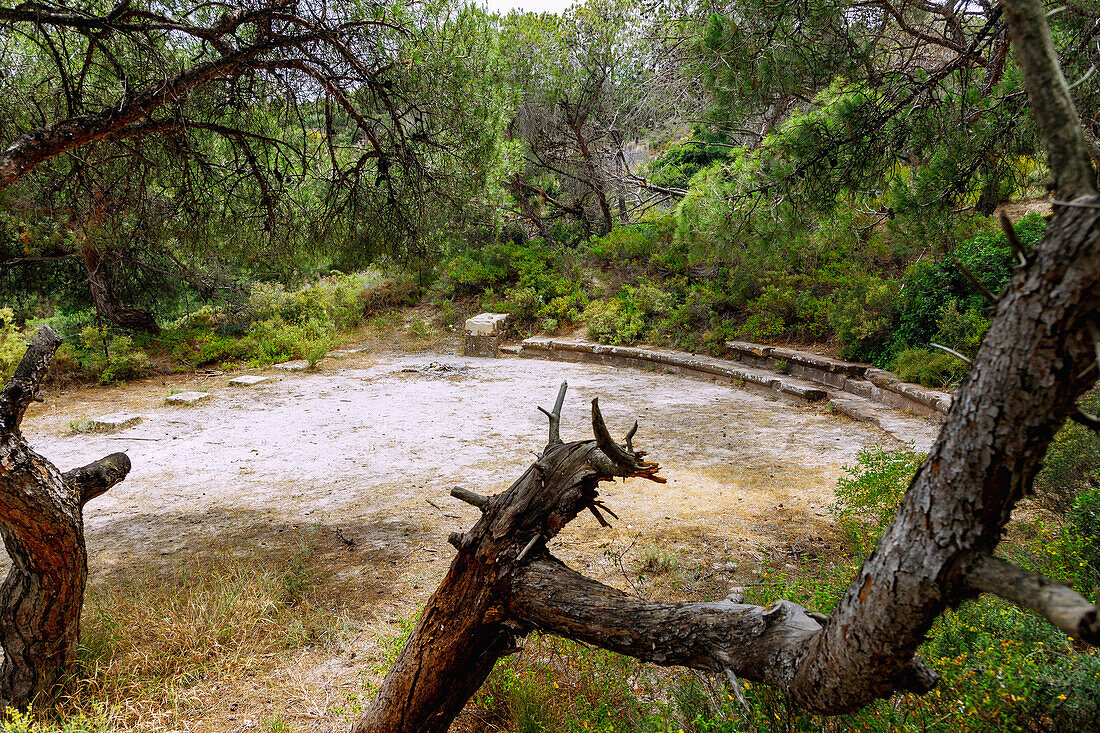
675 362
904 427
247 380
186 398
858 379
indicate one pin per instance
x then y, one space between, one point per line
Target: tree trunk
106 301
42 525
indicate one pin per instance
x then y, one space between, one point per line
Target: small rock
297 365
115 421
736 595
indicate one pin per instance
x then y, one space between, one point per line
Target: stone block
486 324
247 380
187 398
115 421
483 334
298 365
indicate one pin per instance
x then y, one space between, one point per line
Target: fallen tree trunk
42 524
1040 354
503 584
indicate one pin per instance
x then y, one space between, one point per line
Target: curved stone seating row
858 379
677 362
808 378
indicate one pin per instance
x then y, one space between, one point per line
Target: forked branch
555 417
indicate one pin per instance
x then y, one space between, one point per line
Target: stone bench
483 334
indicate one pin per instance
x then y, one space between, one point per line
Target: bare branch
1062 606
555 416
973 280
1059 125
953 353
21 389
470 497
1085 419
758 643
1013 240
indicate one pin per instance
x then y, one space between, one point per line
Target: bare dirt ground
362 455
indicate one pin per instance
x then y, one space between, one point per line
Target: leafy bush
863 317
629 316
786 310
928 367
613 322
277 341
1072 462
12 347
867 498
644 242
960 330
108 356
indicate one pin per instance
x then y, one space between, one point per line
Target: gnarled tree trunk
42 525
1040 354
106 301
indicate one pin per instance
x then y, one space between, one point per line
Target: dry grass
163 646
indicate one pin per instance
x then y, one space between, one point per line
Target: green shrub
641 243
784 310
629 316
108 356
960 330
612 322
12 347
868 497
863 316
932 368
277 341
1072 462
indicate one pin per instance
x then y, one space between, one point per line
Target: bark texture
43 530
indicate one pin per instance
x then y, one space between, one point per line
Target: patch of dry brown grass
160 646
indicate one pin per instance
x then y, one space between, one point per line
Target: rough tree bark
42 524
1041 353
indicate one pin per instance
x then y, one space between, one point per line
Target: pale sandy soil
368 448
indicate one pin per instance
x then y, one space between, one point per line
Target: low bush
867 498
1072 462
629 316
109 356
932 368
12 346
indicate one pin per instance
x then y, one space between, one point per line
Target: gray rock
115 421
297 365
